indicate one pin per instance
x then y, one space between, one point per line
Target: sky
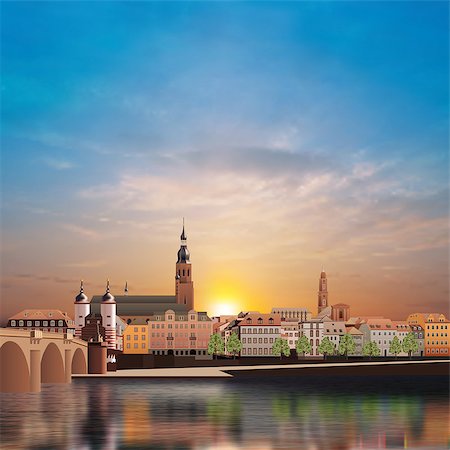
290 135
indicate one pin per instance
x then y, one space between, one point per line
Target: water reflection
229 414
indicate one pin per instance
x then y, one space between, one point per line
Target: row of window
437 343
252 330
256 351
437 334
311 333
437 350
136 346
181 325
443 327
36 323
136 337
258 340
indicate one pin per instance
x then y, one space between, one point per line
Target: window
143 345
28 323
311 333
13 323
260 340
135 337
52 323
60 323
128 346
45 323
317 342
143 337
128 337
37 323
143 329
135 346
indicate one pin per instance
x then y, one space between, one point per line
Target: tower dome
81 297
183 255
108 297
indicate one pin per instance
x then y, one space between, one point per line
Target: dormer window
249 320
260 321
270 320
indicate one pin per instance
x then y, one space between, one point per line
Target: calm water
275 413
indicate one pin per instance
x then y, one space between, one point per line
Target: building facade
179 334
381 331
292 314
334 331
135 337
258 332
50 320
313 330
436 329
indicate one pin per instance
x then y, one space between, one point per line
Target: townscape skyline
290 136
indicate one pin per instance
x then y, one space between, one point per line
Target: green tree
346 345
281 347
234 345
395 347
326 347
303 345
371 349
410 344
215 344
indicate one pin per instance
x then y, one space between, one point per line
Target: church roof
140 305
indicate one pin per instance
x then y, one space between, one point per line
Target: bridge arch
52 365
14 372
79 362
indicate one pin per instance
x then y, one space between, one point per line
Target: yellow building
436 328
135 337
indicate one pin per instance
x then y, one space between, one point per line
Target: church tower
184 287
322 299
82 309
108 312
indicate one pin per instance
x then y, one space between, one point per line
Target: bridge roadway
29 358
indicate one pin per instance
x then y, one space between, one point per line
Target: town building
257 333
381 331
179 333
50 320
135 337
334 331
313 330
436 329
358 339
419 334
289 331
294 314
93 328
340 312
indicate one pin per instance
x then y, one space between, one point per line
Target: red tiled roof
40 314
260 319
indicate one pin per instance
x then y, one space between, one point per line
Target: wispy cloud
58 164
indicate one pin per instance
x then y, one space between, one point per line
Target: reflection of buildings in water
44 420
187 422
436 424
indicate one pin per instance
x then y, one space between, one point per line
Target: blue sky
323 125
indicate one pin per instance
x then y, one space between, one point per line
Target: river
228 414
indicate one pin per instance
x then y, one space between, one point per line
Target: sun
224 308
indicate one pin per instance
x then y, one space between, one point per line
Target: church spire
183 236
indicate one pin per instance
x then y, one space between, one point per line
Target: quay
364 368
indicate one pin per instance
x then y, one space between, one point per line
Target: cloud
85 264
58 164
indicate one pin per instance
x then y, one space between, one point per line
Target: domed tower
108 312
82 309
322 299
184 287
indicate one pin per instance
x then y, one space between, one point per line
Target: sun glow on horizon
224 307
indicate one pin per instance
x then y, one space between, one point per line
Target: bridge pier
35 370
68 365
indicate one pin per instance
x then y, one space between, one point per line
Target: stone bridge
29 358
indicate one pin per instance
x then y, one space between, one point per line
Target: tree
395 347
303 345
234 345
215 344
346 345
281 347
326 347
371 349
410 344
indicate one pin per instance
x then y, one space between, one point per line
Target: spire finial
183 234
126 287
107 285
81 286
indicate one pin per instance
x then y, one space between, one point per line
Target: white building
258 332
290 314
313 330
334 331
381 331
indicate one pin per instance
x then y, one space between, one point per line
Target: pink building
179 333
